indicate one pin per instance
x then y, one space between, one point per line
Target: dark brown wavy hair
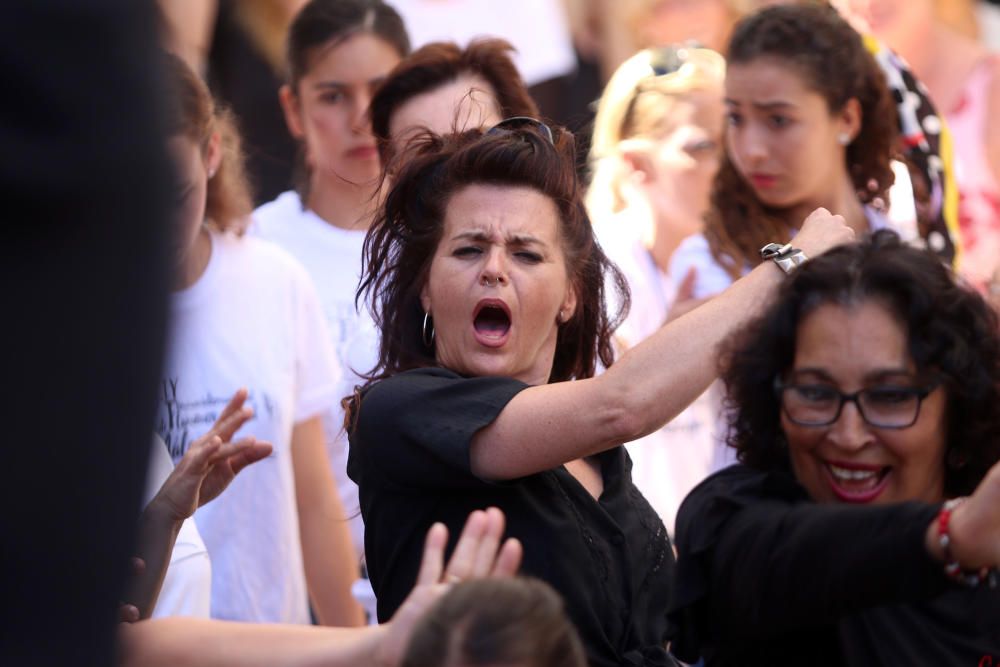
403 239
815 42
950 329
482 622
438 63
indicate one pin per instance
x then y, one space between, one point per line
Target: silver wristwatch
785 256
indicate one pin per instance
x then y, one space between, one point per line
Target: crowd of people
713 379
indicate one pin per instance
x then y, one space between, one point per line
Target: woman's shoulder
434 382
277 213
251 255
425 397
734 487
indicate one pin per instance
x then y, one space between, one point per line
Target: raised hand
684 300
821 231
975 525
211 462
477 554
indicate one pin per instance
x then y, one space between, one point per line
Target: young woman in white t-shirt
244 314
338 51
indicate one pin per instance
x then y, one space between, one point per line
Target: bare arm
190 642
186 642
330 563
545 426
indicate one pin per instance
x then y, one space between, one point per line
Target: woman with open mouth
488 287
864 410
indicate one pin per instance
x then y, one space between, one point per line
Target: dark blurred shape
84 184
242 78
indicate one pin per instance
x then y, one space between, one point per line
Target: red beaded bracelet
952 568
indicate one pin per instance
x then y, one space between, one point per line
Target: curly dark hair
402 242
815 42
951 331
438 63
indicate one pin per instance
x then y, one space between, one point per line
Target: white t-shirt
332 258
538 29
252 320
187 585
667 463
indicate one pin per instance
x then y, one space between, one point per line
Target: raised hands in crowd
206 469
480 552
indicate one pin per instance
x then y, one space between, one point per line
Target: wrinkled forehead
501 213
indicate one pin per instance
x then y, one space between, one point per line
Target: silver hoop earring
428 338
844 138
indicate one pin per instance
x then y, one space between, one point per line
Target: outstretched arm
545 426
189 642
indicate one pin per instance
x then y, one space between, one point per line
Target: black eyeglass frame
515 123
919 392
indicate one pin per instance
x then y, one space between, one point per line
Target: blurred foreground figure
82 176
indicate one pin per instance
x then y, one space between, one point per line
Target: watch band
785 256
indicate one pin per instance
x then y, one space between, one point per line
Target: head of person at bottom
444 88
483 260
517 622
874 377
811 124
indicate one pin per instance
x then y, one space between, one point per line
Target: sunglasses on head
669 60
517 123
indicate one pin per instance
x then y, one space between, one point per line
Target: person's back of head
486 63
487 622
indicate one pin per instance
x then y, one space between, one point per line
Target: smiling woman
489 289
885 377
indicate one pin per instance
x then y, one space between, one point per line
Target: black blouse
768 577
610 558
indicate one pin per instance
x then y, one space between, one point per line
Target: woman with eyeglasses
862 524
655 150
489 289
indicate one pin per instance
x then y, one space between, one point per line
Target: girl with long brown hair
244 315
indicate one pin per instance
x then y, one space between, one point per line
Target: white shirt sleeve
710 277
317 373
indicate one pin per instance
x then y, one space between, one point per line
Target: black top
610 559
768 577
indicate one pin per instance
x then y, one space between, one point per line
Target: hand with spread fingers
211 462
477 554
208 466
